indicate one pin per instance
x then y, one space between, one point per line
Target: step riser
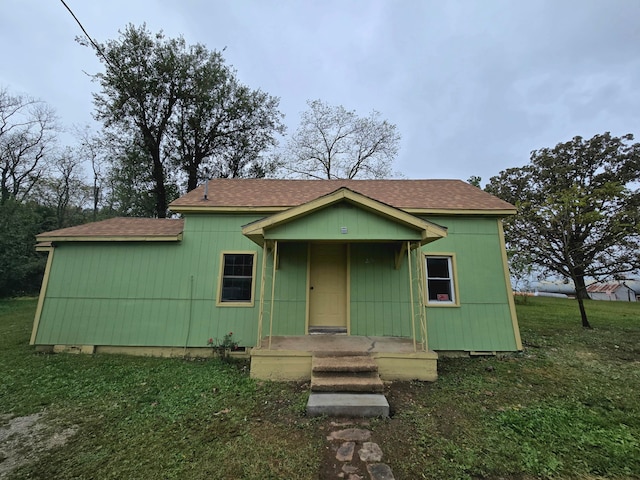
346 369
345 373
344 364
347 405
348 388
342 374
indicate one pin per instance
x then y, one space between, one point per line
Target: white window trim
249 303
453 274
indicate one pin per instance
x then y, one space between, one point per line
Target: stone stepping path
353 444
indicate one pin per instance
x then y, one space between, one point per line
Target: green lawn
566 407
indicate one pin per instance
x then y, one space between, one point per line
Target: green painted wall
164 294
379 293
290 306
483 320
147 293
326 224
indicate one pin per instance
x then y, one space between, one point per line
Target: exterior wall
290 306
380 299
483 321
326 224
147 293
164 294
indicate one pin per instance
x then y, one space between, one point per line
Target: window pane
438 267
236 289
237 277
238 265
440 280
440 291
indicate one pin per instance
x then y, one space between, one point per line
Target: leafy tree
578 209
521 271
183 102
26 137
130 185
474 180
21 267
332 142
221 127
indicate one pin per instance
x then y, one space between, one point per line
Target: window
236 282
440 282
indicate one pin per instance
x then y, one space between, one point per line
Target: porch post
413 315
265 253
422 275
273 288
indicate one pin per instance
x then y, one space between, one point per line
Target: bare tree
26 137
64 190
332 142
95 150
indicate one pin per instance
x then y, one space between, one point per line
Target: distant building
612 291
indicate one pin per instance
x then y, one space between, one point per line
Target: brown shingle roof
119 227
405 194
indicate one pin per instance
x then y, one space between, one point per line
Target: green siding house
404 269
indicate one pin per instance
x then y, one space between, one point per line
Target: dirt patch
23 439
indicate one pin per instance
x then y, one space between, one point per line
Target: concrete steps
343 363
346 384
345 373
347 405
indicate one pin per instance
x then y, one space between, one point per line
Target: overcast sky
473 86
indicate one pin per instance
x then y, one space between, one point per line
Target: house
401 269
612 291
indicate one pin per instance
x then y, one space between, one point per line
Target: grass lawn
566 407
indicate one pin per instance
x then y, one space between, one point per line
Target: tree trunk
161 191
153 149
581 294
192 171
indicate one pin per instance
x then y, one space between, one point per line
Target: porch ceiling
416 229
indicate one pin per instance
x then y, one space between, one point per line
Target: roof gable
268 195
427 231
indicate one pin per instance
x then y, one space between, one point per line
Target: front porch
289 358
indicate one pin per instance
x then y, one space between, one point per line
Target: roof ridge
269 193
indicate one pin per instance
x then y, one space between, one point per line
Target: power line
95 45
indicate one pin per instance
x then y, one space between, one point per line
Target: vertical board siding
326 224
289 313
482 322
142 293
164 293
379 293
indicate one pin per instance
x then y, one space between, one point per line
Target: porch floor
340 343
290 357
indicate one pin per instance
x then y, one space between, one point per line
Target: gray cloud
473 86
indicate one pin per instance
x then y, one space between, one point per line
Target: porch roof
421 230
